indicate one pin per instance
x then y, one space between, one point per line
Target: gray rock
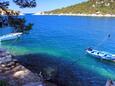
49 73
5 56
34 84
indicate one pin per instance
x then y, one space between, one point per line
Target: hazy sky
44 5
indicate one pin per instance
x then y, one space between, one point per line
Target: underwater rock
49 73
50 84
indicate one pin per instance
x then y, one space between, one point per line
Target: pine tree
12 17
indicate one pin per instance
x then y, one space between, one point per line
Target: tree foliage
11 18
25 3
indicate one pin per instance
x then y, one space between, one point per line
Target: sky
45 5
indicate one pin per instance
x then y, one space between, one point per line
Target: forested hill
89 7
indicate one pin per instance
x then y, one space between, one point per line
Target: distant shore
92 15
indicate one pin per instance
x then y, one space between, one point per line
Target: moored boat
100 54
10 36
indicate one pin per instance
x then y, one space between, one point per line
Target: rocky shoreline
78 14
15 74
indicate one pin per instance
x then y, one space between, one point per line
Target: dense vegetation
89 7
12 18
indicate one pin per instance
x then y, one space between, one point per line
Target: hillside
89 7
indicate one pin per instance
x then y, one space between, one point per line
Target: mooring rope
103 41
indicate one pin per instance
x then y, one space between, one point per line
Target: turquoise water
67 37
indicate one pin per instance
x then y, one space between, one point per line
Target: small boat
100 54
10 36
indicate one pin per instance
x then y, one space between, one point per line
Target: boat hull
10 36
101 54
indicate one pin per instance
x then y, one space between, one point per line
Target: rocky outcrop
16 74
8 12
5 56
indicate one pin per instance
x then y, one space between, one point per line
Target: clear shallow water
67 37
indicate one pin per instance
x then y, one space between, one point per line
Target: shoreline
89 15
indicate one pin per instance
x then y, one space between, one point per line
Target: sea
60 42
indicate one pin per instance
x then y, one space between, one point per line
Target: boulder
49 73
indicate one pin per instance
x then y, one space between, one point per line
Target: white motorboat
10 36
100 54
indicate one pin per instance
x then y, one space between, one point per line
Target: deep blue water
67 37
